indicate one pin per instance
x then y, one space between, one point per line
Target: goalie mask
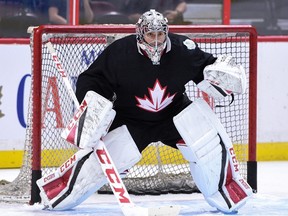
152 25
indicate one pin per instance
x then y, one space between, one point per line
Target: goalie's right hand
90 122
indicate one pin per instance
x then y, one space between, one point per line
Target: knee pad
212 159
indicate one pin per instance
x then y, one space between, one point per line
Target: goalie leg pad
212 159
81 175
61 190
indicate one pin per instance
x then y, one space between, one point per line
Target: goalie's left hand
226 74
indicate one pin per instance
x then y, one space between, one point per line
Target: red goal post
162 169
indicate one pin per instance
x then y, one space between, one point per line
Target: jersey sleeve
97 77
201 59
197 58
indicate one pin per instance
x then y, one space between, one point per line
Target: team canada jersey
145 92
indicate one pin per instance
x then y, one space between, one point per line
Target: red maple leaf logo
157 100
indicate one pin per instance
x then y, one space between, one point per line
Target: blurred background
270 17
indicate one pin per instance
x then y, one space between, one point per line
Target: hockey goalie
134 94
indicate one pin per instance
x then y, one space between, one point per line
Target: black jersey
145 92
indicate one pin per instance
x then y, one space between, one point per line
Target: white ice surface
271 199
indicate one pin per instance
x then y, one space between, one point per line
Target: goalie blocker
212 159
90 122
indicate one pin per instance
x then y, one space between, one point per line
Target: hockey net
162 169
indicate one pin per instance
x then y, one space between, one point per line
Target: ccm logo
77 115
49 177
234 160
112 176
68 163
59 66
244 183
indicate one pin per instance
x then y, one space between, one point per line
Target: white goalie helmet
152 21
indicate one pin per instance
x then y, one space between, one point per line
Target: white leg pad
212 159
81 175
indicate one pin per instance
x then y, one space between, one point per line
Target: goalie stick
108 167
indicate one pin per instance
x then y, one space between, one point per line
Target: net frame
32 168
